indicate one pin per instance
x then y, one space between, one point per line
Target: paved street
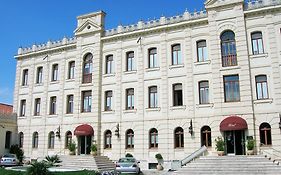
155 172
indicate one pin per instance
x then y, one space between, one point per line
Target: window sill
130 111
151 69
70 80
37 116
207 105
21 117
179 149
108 75
24 86
198 63
107 149
108 112
262 55
54 82
183 107
230 68
269 100
69 114
175 66
52 115
153 109
130 72
38 84
129 149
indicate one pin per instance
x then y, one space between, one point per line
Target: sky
27 22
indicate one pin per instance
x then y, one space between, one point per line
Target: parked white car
9 160
128 165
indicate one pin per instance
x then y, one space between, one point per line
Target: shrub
72 146
38 168
129 155
158 156
94 148
52 160
250 144
219 144
15 149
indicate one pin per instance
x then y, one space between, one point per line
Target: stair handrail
194 155
271 154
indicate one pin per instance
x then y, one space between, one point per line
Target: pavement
156 172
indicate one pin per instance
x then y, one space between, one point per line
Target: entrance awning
233 123
84 130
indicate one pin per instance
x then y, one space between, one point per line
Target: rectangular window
55 70
24 77
257 44
53 105
22 108
87 101
153 99
71 70
202 54
176 54
69 104
152 62
231 88
203 92
177 90
261 85
37 105
130 99
39 76
130 61
108 101
109 64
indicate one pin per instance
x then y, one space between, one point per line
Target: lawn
10 172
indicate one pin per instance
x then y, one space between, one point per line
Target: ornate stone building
164 86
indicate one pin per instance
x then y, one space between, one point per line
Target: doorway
84 144
235 142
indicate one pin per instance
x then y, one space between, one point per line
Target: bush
129 155
250 144
52 160
219 144
94 148
15 149
38 168
72 146
158 156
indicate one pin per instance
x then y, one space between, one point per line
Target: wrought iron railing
271 153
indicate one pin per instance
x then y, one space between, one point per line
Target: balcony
229 60
87 78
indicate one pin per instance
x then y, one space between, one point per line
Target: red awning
233 123
84 130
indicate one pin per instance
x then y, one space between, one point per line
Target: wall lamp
279 121
190 129
58 132
117 130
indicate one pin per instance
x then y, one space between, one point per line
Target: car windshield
9 156
126 160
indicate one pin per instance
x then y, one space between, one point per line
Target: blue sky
27 22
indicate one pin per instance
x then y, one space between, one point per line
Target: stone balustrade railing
48 45
254 4
186 16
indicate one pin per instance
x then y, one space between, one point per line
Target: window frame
179 138
71 70
258 41
130 59
37 106
109 64
21 139
206 136
68 138
8 139
261 84
238 84
108 101
130 134
107 139
23 108
202 50
265 134
87 68
55 72
204 91
86 100
35 140
176 54
24 77
153 138
130 99
228 49
51 140
39 75
53 105
152 58
70 104
177 95
152 95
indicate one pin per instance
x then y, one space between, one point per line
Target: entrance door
85 144
235 142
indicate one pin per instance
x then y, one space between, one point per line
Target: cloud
6 95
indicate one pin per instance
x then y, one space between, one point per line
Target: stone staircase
97 163
230 165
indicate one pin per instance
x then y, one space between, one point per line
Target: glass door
230 142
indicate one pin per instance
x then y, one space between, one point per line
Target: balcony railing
229 60
87 78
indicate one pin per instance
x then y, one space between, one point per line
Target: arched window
153 138
68 138
51 140
177 95
8 139
130 138
152 60
203 92
265 134
228 49
176 54
206 138
35 139
21 139
87 68
202 54
179 137
257 44
261 86
107 139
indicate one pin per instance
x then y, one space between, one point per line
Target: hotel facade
165 86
